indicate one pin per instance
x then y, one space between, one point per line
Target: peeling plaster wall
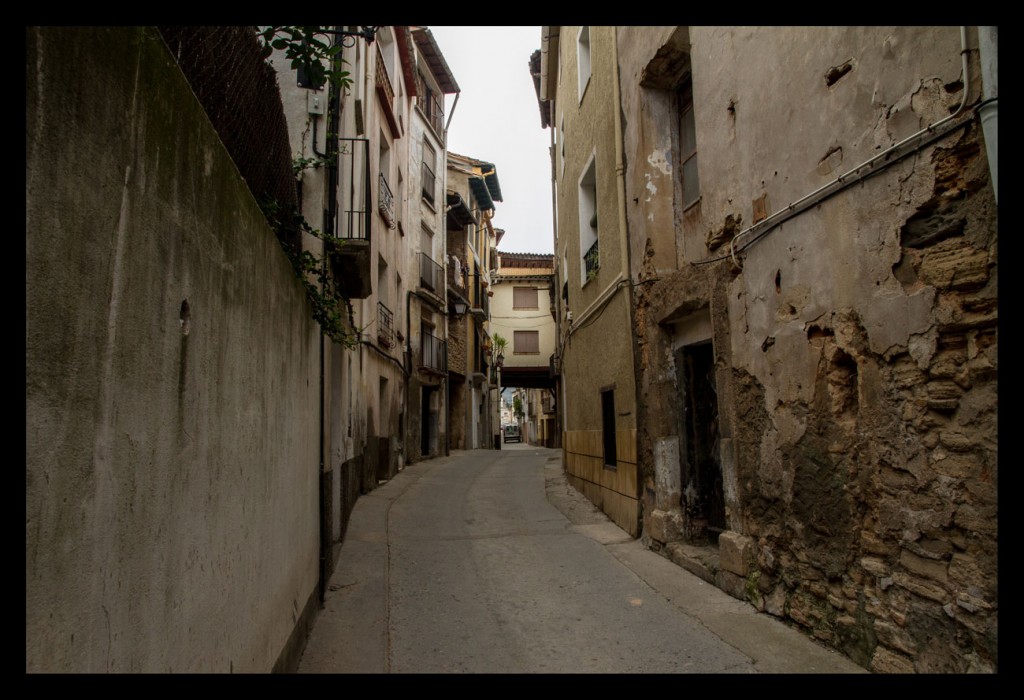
856 348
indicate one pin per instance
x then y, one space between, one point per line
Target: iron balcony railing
354 189
386 201
433 353
481 304
431 274
385 329
592 261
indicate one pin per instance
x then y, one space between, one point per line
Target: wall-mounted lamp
499 359
348 38
459 308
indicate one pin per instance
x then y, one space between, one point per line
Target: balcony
481 305
592 261
385 329
433 354
350 225
386 202
431 275
386 94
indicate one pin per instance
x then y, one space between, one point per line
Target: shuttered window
524 298
526 343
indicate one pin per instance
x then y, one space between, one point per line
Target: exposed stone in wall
732 225
877 527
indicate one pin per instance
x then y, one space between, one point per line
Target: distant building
522 312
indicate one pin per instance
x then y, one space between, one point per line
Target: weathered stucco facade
172 379
818 391
594 347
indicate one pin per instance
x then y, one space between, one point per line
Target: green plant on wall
308 49
500 343
332 310
311 50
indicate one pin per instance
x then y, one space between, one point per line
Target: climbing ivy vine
309 49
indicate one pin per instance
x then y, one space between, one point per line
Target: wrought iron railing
433 353
385 330
592 261
354 189
430 274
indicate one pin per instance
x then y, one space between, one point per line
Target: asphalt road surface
486 561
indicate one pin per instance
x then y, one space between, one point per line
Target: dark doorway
427 420
703 498
608 426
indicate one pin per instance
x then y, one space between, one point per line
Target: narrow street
488 562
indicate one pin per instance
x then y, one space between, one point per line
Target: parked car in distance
512 433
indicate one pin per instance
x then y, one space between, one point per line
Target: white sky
497 120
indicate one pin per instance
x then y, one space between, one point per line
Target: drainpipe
620 160
988 109
331 186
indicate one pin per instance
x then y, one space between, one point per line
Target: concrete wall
855 350
172 379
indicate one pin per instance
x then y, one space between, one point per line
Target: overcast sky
497 119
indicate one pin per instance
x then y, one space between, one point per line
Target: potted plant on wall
500 343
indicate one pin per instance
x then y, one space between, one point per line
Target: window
429 165
385 198
524 298
688 145
382 281
426 240
526 342
561 145
583 58
589 255
608 426
430 102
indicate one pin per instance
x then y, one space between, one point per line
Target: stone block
775 602
666 526
895 637
874 566
936 570
885 661
981 520
943 395
925 589
680 556
734 585
735 553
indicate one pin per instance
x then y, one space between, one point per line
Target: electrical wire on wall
908 146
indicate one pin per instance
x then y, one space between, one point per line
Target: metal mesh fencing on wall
239 91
